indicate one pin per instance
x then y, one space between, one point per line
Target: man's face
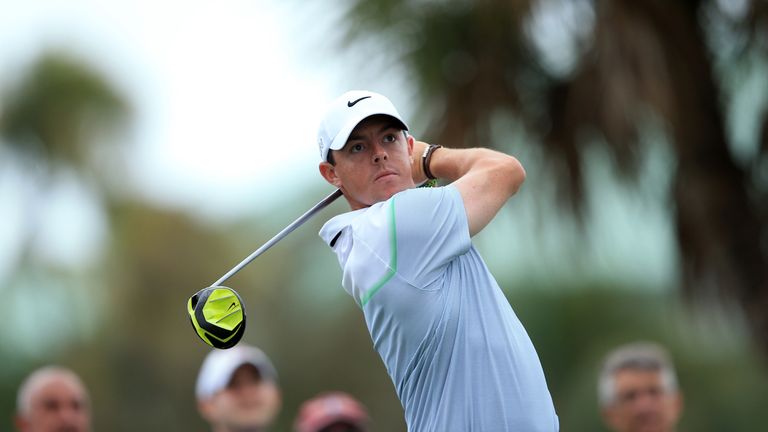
59 404
374 164
247 402
642 403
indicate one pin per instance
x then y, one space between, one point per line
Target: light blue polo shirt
457 354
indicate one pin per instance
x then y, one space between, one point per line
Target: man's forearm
452 164
485 178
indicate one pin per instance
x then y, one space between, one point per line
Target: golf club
279 236
217 313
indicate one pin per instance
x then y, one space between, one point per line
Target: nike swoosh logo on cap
351 104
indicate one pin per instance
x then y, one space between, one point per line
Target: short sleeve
431 230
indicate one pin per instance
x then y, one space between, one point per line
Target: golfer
457 354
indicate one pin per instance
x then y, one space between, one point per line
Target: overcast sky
221 96
226 96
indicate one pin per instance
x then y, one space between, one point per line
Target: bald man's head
53 399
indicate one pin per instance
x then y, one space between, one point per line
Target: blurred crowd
238 390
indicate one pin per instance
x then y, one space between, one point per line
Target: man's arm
485 178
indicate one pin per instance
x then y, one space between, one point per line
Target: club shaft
279 236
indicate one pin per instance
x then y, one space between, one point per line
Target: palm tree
54 113
59 117
53 119
633 61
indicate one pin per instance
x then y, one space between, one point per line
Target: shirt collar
331 230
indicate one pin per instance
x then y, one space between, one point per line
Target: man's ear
21 423
205 408
609 417
410 140
677 405
328 172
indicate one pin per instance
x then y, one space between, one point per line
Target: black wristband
426 157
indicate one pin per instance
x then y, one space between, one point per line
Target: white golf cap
219 366
344 114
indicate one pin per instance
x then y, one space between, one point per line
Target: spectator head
332 412
638 391
53 399
237 389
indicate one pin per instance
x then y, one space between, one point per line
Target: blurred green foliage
607 75
53 114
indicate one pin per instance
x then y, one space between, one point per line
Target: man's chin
650 426
383 197
247 424
69 429
388 191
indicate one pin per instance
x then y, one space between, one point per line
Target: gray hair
645 356
36 379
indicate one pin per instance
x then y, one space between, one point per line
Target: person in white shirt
458 356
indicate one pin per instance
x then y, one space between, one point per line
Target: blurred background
147 147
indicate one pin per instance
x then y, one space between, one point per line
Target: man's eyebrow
385 126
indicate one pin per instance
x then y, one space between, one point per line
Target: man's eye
390 138
50 405
628 396
356 148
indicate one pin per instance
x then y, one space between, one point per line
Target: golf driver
217 312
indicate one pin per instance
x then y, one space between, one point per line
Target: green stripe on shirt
392 256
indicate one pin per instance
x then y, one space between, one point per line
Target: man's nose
647 401
69 418
379 155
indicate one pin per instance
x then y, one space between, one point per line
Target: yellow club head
218 316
